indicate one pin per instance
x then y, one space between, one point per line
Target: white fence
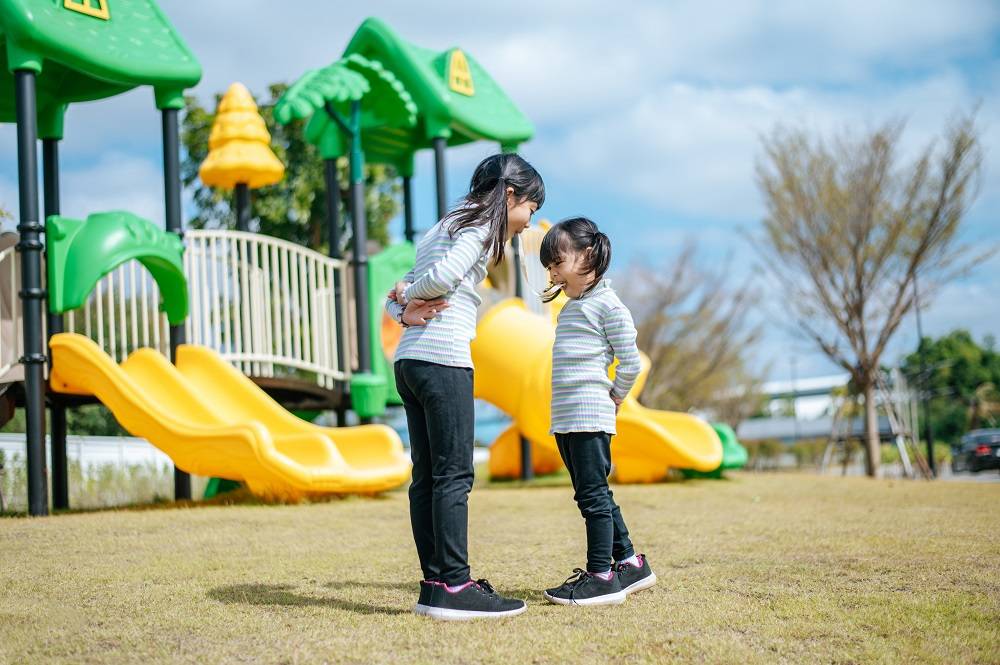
266 305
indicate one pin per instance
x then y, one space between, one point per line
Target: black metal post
333 230
172 203
242 207
442 188
408 231
32 294
360 234
57 411
925 393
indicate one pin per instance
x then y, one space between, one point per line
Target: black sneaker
473 600
425 597
636 578
583 588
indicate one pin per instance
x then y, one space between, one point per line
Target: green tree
962 378
295 208
849 227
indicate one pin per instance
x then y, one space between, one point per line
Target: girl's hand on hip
418 312
618 403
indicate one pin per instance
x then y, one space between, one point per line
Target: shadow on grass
393 586
282 595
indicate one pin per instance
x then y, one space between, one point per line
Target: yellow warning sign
459 75
95 8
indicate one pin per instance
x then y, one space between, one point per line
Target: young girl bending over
593 328
437 302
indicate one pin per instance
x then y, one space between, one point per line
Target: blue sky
648 114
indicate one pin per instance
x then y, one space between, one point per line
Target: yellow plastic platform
512 353
214 421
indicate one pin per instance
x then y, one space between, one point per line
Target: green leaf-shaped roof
444 109
80 56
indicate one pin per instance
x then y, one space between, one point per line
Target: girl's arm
620 333
448 271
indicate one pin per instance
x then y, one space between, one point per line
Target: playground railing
11 346
267 305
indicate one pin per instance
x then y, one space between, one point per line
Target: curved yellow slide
512 353
214 421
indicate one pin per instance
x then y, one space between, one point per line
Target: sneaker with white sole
583 588
636 578
423 602
472 600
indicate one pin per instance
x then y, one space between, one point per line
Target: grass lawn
759 568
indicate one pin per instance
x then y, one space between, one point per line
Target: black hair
575 234
486 202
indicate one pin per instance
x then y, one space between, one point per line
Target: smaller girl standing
593 328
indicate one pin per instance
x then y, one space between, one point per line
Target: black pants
587 455
440 417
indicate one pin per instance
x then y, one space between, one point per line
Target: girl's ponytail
576 234
486 202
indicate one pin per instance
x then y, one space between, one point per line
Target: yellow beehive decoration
239 147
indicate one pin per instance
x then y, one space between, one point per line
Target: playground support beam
57 411
360 232
408 231
30 248
332 183
172 204
242 207
440 143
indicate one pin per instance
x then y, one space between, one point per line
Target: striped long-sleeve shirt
591 331
450 268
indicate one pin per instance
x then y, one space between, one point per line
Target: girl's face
568 270
518 213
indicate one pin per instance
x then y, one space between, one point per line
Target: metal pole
30 249
408 231
925 383
439 144
242 207
360 240
57 411
333 231
172 202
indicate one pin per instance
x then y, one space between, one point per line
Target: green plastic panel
81 252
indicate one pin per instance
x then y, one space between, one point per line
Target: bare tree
694 325
849 228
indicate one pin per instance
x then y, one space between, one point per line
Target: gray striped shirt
450 268
591 331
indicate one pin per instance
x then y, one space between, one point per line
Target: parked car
978 451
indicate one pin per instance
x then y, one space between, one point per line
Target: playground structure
240 315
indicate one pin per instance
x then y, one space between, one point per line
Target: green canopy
414 95
90 49
456 98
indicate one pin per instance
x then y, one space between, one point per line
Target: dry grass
774 568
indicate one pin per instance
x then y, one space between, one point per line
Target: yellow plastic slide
214 421
512 353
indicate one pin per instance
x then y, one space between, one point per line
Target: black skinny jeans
587 455
440 416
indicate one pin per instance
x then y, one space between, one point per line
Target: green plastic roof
80 56
487 114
